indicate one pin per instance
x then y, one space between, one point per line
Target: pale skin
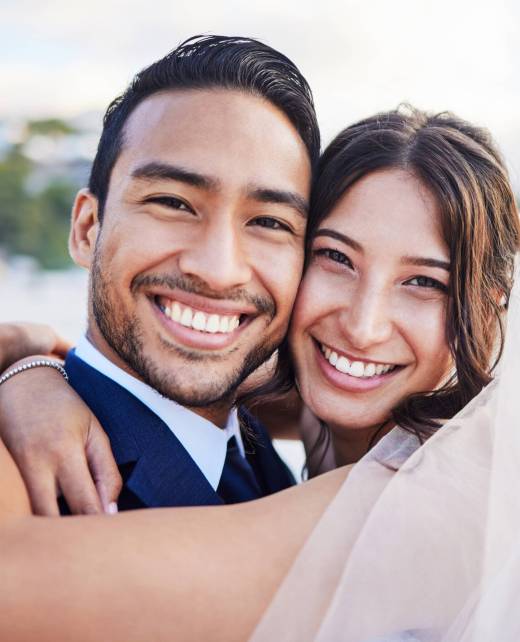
185 574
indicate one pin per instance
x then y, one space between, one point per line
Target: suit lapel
164 474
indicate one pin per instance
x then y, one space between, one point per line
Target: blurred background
62 62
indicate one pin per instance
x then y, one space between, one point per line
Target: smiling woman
398 318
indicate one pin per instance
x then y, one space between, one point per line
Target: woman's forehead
390 208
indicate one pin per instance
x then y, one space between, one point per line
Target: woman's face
369 323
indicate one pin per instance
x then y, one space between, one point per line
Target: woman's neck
351 444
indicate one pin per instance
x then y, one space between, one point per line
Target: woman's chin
342 415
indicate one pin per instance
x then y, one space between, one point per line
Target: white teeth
224 324
186 317
370 370
200 321
213 323
359 369
176 312
343 364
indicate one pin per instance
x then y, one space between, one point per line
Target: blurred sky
62 57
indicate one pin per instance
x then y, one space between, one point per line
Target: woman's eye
427 282
333 255
270 223
170 201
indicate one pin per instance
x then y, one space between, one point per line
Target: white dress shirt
205 442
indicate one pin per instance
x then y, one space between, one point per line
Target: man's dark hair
204 62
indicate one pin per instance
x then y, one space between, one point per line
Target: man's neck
217 413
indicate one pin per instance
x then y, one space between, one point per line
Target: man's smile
203 323
197 319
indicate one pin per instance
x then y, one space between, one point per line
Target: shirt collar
206 443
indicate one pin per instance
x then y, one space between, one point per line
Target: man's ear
84 228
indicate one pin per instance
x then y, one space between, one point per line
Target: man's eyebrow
281 197
426 262
338 236
162 171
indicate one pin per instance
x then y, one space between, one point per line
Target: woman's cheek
425 321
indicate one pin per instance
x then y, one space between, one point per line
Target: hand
57 444
19 340
42 339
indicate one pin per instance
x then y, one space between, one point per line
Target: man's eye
333 255
270 223
170 201
427 282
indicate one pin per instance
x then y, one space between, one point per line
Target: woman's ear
84 228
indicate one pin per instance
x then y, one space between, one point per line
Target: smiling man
193 229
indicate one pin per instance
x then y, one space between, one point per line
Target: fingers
78 487
103 467
41 487
61 347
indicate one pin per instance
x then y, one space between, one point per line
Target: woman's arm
184 574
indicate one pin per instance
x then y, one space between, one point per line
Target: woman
398 321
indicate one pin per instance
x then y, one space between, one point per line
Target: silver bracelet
38 363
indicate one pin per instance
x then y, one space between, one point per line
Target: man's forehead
188 111
215 133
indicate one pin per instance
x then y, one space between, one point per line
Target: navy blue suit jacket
156 468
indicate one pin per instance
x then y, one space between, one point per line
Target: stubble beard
124 334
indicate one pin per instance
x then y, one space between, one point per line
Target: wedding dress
421 544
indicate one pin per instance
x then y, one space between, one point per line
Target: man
192 229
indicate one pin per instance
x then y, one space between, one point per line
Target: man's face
196 264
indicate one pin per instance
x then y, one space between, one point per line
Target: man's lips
205 304
194 328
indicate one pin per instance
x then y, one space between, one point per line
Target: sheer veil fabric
429 553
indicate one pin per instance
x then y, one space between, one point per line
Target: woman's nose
367 319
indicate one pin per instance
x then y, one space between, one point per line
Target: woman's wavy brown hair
463 169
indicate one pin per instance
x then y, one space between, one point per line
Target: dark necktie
238 482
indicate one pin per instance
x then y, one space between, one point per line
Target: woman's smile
369 323
353 374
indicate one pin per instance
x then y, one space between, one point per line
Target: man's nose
218 258
367 318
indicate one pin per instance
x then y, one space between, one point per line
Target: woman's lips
353 376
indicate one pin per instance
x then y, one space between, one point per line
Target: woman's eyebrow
426 262
338 236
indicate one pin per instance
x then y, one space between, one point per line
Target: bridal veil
421 544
